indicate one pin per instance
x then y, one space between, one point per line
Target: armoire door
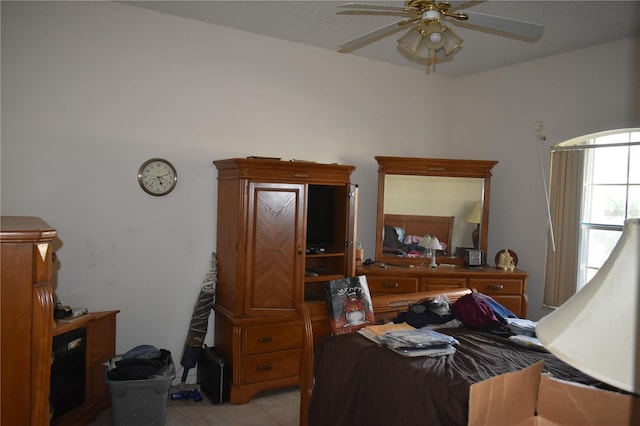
351 230
274 248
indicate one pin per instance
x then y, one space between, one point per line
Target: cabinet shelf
339 254
322 278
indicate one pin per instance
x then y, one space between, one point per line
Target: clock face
157 176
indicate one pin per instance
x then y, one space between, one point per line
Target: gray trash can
141 402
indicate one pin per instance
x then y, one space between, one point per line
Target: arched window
594 187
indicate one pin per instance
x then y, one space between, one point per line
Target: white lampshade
433 243
475 215
596 330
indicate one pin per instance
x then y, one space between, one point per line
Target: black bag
427 311
214 376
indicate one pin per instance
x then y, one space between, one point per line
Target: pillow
413 239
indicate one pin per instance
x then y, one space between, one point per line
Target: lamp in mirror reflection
432 244
475 216
429 43
597 329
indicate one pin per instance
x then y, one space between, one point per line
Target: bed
354 381
419 226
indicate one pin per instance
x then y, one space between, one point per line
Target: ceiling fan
429 41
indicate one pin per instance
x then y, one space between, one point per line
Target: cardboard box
530 398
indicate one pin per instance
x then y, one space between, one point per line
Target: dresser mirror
423 198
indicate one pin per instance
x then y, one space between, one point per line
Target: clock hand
163 182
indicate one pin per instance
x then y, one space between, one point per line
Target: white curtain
565 197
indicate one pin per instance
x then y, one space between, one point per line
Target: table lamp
433 244
475 216
596 330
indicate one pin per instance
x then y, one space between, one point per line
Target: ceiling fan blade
503 26
378 7
463 4
376 34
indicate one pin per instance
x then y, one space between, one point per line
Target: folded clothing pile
140 363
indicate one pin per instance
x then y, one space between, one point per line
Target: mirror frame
431 167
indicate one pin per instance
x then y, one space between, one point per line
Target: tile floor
274 408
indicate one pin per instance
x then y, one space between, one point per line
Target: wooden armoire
283 229
27 319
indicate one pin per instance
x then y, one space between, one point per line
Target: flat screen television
320 216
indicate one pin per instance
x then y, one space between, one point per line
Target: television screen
320 216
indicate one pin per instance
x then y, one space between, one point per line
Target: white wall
90 90
573 94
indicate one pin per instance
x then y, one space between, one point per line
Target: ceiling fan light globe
452 42
441 57
435 37
423 52
408 43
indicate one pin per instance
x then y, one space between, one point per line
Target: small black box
214 376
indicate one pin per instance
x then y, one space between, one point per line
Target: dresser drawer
271 338
273 365
497 286
392 285
428 284
512 303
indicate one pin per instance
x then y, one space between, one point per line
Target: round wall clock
157 176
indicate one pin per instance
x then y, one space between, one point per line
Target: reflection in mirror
423 198
423 203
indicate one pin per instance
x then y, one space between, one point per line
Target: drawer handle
266 339
496 287
265 367
390 285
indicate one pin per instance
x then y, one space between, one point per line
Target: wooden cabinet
27 320
100 347
506 287
283 229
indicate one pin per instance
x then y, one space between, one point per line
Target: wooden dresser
267 265
506 287
100 347
27 320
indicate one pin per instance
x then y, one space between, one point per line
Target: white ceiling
569 25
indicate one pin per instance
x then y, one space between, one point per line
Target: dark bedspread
360 383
